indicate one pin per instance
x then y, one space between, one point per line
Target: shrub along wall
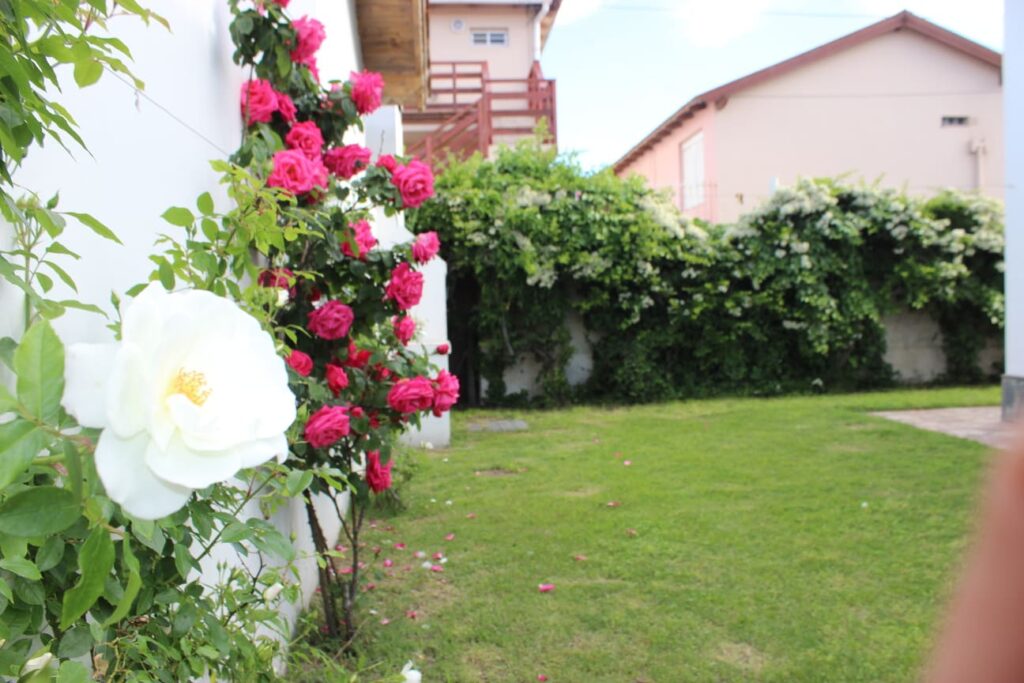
789 298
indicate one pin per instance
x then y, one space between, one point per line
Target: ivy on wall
790 298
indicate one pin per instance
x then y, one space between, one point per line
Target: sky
624 66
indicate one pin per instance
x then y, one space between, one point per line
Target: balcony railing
479 110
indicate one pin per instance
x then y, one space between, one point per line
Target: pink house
485 85
903 102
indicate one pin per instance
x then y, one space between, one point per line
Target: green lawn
794 539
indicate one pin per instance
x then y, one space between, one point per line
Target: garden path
982 424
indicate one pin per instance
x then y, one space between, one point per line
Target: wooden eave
393 38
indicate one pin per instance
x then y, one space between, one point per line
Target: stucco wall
504 61
870 112
662 165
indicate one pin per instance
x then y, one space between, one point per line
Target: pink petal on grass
345 570
399 546
450 537
436 568
389 563
419 554
471 515
546 587
385 621
613 504
541 677
376 550
580 558
438 555
411 613
627 463
340 548
370 587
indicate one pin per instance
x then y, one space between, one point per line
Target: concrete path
977 424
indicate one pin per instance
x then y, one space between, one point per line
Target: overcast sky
624 66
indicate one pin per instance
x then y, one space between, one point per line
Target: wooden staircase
468 112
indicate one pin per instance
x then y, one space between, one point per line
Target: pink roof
719 95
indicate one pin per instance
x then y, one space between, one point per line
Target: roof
393 41
718 96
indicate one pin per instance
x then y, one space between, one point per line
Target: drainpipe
541 14
978 149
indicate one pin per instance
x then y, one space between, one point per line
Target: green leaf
39 365
73 463
87 72
94 225
20 514
166 274
205 204
235 532
178 215
7 347
73 672
20 443
131 589
183 560
75 642
95 560
297 482
50 553
22 567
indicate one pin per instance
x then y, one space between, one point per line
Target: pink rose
296 173
277 277
426 246
347 161
364 239
300 362
313 69
309 34
387 161
326 426
411 395
259 101
446 392
377 476
307 138
443 349
367 88
404 327
356 358
337 378
405 286
331 321
415 182
286 107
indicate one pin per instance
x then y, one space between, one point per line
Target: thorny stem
248 496
323 566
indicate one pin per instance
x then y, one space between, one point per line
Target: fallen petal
471 515
419 554
399 546
613 504
385 621
580 558
541 677
632 533
627 463
450 537
389 563
546 587
436 568
438 555
411 613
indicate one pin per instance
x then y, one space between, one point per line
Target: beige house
903 101
484 82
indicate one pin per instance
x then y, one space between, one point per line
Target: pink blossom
331 321
426 246
367 88
443 349
346 161
326 426
300 362
404 328
378 476
364 240
405 287
296 173
337 380
309 34
411 395
415 182
307 138
258 101
387 161
286 107
446 392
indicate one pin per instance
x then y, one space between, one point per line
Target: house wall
1013 382
662 165
503 61
870 112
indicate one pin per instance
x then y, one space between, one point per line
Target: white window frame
489 37
692 171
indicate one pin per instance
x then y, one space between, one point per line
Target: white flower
272 592
192 393
411 674
39 663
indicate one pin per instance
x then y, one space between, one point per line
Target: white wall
384 136
1013 87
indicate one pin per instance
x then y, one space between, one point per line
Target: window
490 36
692 153
954 121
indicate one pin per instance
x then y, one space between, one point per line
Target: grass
795 539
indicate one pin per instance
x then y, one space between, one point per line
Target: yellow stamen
192 385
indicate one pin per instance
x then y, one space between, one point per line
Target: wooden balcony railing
481 110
